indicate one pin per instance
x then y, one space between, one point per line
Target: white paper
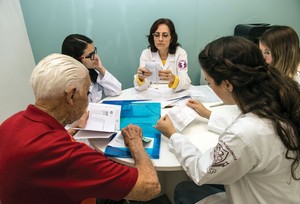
162 94
103 117
153 67
170 95
118 141
204 93
92 134
181 115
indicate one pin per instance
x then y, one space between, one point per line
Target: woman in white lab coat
165 55
280 48
256 159
104 83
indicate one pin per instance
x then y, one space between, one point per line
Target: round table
168 167
196 131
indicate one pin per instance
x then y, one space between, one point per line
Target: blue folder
144 114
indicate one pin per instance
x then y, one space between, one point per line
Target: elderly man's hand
132 135
80 123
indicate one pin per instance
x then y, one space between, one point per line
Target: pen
216 105
169 106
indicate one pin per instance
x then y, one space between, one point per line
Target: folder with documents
144 114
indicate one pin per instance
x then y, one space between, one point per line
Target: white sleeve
144 86
111 86
221 117
182 70
224 164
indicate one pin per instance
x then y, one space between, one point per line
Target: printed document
153 67
181 115
103 117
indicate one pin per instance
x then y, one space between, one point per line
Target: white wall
16 60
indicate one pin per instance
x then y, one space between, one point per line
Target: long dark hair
74 46
283 42
174 36
257 88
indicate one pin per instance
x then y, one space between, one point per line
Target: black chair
251 31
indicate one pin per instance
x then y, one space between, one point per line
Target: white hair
55 74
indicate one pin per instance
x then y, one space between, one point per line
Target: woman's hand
199 108
165 126
143 73
166 75
100 66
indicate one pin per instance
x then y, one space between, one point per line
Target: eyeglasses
91 55
164 35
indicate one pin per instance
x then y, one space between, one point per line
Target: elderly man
41 163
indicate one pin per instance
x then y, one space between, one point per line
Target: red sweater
40 164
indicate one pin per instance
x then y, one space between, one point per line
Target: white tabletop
197 131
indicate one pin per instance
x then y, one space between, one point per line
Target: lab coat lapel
170 60
156 58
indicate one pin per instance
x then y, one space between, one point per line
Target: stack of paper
103 121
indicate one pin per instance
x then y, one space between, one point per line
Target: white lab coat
221 117
249 160
176 62
106 85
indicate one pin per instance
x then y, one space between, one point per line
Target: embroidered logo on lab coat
182 64
221 153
